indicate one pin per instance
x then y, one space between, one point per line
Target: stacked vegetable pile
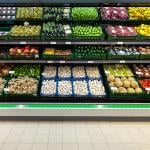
25 80
139 13
27 70
121 81
25 31
114 13
87 32
7 13
2 85
123 52
52 30
72 81
84 13
29 13
25 52
121 31
89 52
5 69
142 71
56 13
143 30
54 53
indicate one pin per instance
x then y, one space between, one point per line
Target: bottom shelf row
111 80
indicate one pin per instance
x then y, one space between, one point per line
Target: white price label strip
6 89
139 72
62 62
113 88
90 62
107 72
36 55
52 42
11 72
68 43
120 43
23 42
147 89
122 61
50 61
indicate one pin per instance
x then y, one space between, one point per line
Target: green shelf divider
74 106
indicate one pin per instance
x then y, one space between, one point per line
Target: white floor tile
126 138
9 147
3 138
27 138
69 139
55 139
17 130
116 147
41 139
85 147
140 139
101 146
132 147
110 138
97 138
24 147
39 147
13 139
70 146
83 139
54 146
145 146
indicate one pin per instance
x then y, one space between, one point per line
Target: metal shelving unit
74 106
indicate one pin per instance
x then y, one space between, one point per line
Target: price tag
113 88
62 62
120 43
52 42
90 62
23 42
68 43
36 55
139 72
11 72
122 61
50 61
147 89
107 72
6 89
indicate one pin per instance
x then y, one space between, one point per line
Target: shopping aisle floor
48 135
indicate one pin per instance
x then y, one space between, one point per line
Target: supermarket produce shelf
73 42
75 61
74 110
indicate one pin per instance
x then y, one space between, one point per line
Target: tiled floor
48 135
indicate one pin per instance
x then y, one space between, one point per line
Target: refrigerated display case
57 60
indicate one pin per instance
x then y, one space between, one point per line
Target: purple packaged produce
119 30
114 13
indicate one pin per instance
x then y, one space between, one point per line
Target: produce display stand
84 107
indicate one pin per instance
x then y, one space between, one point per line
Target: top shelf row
75 13
47 2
